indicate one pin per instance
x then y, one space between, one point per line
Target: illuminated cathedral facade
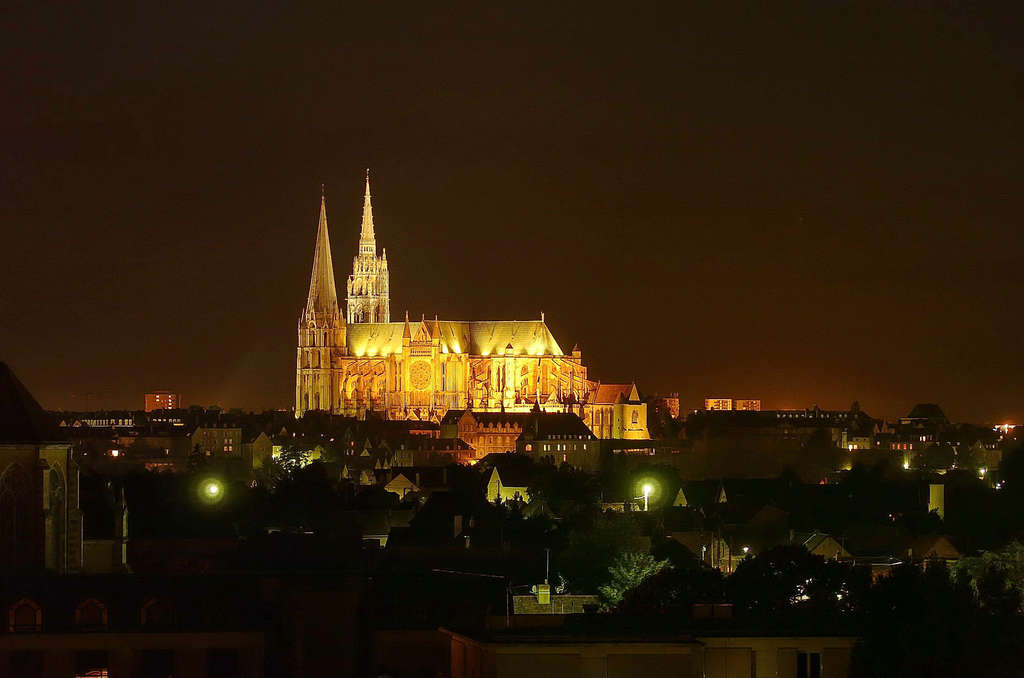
360 361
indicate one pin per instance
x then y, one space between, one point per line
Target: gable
422 334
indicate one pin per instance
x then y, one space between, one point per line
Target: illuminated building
360 362
616 411
718 403
739 404
561 438
369 299
162 400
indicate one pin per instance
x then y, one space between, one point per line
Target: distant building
510 488
485 432
740 404
562 439
215 441
617 412
671 404
162 400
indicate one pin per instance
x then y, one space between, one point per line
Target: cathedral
360 361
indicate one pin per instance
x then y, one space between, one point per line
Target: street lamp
648 488
211 491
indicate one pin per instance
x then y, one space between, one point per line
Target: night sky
807 202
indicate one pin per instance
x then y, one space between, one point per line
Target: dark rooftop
22 419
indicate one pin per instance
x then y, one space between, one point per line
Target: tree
565 489
294 456
674 591
1011 471
1006 565
918 622
627 572
788 583
593 546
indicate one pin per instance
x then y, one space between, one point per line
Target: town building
40 519
162 400
561 438
617 412
741 404
710 649
485 432
217 441
511 487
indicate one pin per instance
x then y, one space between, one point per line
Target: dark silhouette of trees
920 621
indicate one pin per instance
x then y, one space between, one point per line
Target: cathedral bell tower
369 297
321 329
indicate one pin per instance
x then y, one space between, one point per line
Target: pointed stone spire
323 295
406 333
435 329
367 240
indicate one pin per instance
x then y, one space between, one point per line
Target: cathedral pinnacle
367 240
406 334
323 295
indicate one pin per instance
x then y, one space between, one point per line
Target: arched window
16 541
24 616
157 612
91 615
636 417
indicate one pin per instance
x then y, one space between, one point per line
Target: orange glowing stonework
361 362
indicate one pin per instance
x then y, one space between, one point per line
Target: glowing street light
648 489
211 491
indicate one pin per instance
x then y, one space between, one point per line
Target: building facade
162 400
40 518
360 361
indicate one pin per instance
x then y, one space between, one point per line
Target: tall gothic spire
323 295
367 241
